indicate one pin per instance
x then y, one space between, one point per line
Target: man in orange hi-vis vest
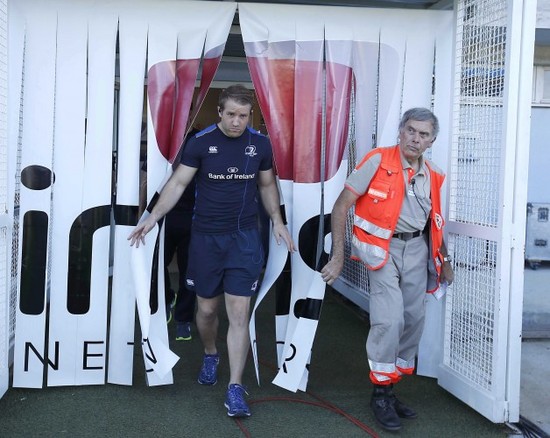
398 235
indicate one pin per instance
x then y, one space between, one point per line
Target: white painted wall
543 14
539 156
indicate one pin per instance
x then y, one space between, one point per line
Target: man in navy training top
232 164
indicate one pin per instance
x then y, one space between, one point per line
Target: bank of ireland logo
250 150
232 169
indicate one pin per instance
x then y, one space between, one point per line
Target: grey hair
420 115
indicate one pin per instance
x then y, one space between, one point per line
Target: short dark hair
420 115
239 93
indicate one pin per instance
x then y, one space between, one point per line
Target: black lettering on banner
34 249
307 242
150 357
153 202
80 256
283 289
34 245
153 286
288 359
54 365
80 250
36 177
86 355
309 308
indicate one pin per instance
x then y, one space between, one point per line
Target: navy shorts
229 263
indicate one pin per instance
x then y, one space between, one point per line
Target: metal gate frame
491 386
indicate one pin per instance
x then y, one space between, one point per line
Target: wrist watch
447 258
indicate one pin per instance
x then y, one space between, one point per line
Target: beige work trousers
397 303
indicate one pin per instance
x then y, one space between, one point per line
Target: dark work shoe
402 410
383 409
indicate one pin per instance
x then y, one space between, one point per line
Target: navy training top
228 168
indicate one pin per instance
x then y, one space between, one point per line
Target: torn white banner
156 352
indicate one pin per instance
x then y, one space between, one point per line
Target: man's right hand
332 270
139 232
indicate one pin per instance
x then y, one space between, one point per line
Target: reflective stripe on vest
374 255
371 228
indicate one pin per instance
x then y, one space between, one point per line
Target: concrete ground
535 356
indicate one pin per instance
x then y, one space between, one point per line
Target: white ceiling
416 4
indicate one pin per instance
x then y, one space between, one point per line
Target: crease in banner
293 373
309 141
276 260
156 352
158 356
275 263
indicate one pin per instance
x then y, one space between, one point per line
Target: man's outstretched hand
140 231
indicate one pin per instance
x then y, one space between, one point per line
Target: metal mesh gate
486 217
354 274
474 180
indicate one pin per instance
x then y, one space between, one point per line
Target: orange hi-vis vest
377 212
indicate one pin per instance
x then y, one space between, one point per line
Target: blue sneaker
209 370
183 331
235 402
